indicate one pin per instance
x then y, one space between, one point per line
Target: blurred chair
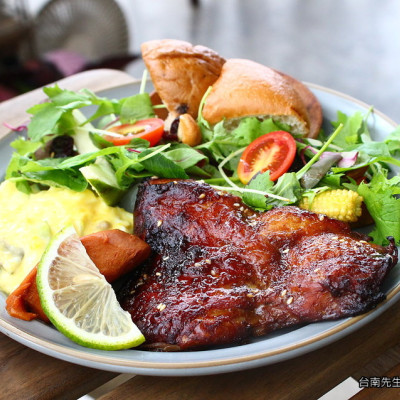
15 26
15 41
95 29
68 36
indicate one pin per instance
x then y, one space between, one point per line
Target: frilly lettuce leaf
382 201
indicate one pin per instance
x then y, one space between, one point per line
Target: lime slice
79 301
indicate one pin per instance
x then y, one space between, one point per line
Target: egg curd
28 222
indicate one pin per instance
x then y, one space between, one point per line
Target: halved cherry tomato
274 152
150 129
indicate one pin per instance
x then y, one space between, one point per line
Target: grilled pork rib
221 272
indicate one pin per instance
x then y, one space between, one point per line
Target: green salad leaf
161 166
220 142
65 178
56 117
262 183
352 127
215 160
287 187
136 108
382 201
185 156
44 121
393 142
25 147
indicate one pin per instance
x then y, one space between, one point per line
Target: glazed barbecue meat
221 272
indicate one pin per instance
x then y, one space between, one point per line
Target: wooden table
372 351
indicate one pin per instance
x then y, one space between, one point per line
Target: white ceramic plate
278 346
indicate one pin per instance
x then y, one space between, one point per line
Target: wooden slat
28 374
306 377
380 365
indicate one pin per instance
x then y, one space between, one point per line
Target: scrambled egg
28 222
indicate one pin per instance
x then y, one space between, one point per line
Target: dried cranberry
62 146
296 165
173 130
172 134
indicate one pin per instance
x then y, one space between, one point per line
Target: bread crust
181 73
246 88
311 103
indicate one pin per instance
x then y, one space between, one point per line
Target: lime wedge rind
87 321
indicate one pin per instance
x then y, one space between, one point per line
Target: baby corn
341 204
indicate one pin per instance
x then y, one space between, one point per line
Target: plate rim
83 357
323 338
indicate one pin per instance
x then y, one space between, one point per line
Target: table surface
372 351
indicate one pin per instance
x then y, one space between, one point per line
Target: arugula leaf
66 99
334 181
161 166
393 142
208 172
350 133
251 128
220 141
126 167
81 159
25 147
106 107
13 168
99 141
37 108
286 186
51 170
185 156
136 108
383 205
131 166
56 116
373 149
69 179
367 161
107 120
44 121
24 186
260 182
46 172
214 138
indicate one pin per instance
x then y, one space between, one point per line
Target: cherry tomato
274 152
150 129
